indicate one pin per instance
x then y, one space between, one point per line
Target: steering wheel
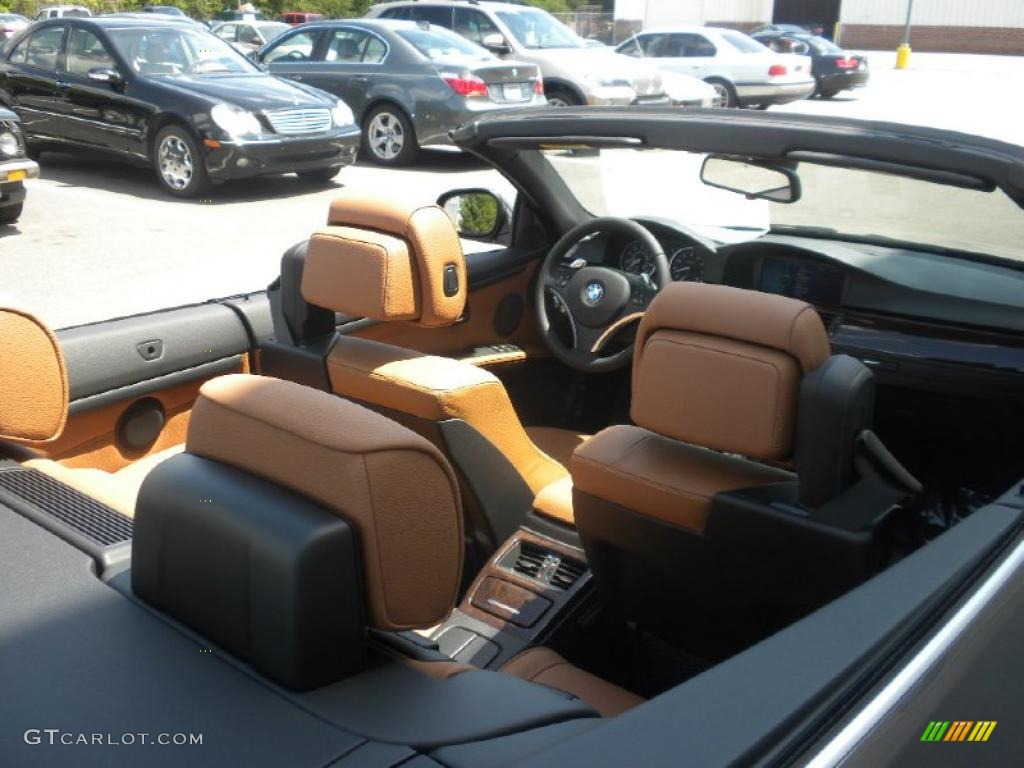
597 301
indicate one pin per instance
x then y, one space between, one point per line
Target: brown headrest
33 379
385 260
392 485
721 367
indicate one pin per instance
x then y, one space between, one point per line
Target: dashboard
919 319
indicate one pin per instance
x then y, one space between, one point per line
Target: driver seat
383 260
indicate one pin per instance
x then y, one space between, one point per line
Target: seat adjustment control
451 280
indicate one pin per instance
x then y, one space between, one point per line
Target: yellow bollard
903 56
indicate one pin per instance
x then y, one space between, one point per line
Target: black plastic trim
105 356
157 384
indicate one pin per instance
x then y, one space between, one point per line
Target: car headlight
9 145
607 81
235 122
342 114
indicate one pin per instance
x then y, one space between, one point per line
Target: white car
743 72
10 25
250 36
574 72
60 11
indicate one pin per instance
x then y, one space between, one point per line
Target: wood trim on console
559 598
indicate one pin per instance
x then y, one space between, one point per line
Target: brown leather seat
716 384
392 485
385 261
34 407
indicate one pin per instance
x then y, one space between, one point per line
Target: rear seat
34 398
269 468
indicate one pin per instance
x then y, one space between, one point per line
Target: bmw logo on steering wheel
593 292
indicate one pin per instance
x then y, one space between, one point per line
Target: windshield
175 51
536 29
847 203
439 43
742 43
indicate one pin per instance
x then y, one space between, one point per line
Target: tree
478 214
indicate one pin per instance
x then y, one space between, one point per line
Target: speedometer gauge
636 260
687 265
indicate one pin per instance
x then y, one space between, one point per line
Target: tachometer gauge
687 265
636 260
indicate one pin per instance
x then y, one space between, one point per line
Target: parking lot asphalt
100 240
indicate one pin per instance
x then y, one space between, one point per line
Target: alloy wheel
721 95
386 136
175 161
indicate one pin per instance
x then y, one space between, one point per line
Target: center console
530 587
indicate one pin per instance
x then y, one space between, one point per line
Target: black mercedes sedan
834 69
173 96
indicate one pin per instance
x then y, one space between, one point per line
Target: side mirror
496 43
477 214
752 179
107 75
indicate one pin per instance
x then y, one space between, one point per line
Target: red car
296 17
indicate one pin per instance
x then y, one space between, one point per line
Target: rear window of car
435 44
742 43
822 45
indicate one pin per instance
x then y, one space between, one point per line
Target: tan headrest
385 260
392 485
33 379
721 367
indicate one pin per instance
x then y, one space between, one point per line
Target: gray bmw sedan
408 83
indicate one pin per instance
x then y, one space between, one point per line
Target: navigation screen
813 283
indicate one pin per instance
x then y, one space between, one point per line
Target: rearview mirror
495 43
756 181
105 75
476 213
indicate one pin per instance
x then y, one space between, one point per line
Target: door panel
488 308
96 114
149 364
32 81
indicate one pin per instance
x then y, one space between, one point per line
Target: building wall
660 13
952 26
936 13
955 26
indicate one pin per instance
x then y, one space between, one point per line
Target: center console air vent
542 565
27 489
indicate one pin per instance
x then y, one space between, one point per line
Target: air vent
96 521
546 567
566 574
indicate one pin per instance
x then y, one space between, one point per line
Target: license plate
17 175
513 92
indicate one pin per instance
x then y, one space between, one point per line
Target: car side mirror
107 75
477 214
496 43
751 179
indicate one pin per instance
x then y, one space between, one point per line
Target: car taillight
468 86
847 63
776 70
538 85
